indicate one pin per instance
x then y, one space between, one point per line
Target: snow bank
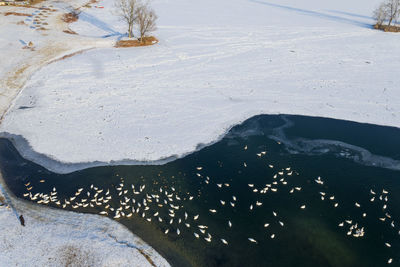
217 64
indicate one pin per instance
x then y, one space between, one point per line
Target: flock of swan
165 205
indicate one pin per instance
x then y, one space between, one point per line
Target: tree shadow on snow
319 14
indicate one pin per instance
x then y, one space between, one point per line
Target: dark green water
350 158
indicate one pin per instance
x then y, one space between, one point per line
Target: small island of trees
387 15
140 14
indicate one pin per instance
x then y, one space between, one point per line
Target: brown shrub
70 17
69 31
132 43
387 28
15 14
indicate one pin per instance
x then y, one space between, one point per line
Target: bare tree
380 14
393 9
146 20
127 11
387 11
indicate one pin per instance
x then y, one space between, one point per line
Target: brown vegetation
70 17
387 28
15 14
150 40
148 258
69 31
70 255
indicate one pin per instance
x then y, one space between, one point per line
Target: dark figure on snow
22 220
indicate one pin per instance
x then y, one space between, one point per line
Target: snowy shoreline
26 151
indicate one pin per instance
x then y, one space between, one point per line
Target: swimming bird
229 223
222 202
390 261
357 205
272 236
274 213
303 207
388 245
281 223
266 225
224 241
212 210
319 181
341 224
252 240
178 232
372 192
251 207
196 235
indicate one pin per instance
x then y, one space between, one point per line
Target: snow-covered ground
53 237
217 64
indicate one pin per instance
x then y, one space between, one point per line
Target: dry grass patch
69 31
16 14
387 28
133 43
71 256
70 17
